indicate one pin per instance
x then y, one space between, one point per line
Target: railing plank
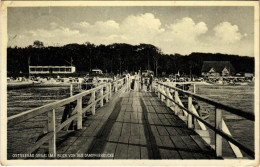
232 110
218 138
93 99
72 113
167 100
158 91
13 120
202 126
116 86
79 113
110 90
76 114
66 123
162 95
220 132
180 102
101 95
71 89
190 123
107 93
234 148
40 142
52 128
176 109
224 135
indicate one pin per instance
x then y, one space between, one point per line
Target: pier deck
134 125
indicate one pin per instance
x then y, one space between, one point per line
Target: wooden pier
132 125
136 125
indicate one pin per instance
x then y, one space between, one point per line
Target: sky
182 30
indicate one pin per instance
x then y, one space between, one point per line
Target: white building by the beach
51 69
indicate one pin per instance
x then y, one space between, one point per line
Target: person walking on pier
149 85
132 78
140 80
137 81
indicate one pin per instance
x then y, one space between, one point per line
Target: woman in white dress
136 87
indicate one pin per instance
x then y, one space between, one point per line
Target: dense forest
117 58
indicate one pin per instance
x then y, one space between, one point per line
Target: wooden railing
220 129
104 92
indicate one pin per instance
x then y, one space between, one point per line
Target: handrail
232 110
228 137
37 111
77 113
40 110
219 120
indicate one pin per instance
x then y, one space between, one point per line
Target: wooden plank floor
134 125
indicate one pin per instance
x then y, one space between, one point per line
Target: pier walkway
135 125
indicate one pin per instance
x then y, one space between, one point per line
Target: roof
217 65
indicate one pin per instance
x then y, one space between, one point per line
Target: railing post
190 121
158 90
93 99
79 113
126 83
162 96
218 138
167 98
101 96
107 92
71 89
129 83
176 101
194 88
110 90
116 86
51 128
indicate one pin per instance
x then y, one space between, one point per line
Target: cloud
134 29
54 25
187 28
181 36
60 32
227 33
99 28
141 28
53 35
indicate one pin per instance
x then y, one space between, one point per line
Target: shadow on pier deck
133 125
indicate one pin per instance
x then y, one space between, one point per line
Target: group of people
138 82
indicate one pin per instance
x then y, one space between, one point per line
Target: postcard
130 83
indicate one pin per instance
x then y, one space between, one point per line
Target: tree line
117 58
